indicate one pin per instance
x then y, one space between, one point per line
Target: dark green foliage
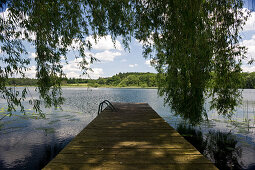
132 79
248 80
22 82
192 39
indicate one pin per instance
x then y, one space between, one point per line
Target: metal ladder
109 104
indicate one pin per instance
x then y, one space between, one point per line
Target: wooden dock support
135 137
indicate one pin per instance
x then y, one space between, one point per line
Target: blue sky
116 59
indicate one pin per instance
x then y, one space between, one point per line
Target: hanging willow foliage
54 28
197 52
194 46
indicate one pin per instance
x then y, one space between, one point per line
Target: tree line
130 79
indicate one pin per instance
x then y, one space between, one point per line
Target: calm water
27 142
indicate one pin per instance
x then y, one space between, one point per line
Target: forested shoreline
130 79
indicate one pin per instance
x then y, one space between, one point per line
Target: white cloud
148 62
250 44
104 43
73 74
123 60
4 15
248 68
33 55
107 55
96 73
31 72
72 70
68 68
133 65
250 23
101 43
74 46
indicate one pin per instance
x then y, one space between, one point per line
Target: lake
29 142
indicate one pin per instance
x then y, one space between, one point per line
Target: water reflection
195 137
29 150
49 152
220 147
29 143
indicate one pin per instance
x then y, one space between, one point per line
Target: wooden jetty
135 137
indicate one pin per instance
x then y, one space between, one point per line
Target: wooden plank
135 137
114 151
124 166
131 158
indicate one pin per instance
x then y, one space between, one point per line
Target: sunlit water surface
27 142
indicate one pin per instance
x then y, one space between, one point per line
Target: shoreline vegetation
116 87
120 80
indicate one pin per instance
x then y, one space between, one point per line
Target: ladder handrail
100 107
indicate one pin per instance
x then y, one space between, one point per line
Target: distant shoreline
109 87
